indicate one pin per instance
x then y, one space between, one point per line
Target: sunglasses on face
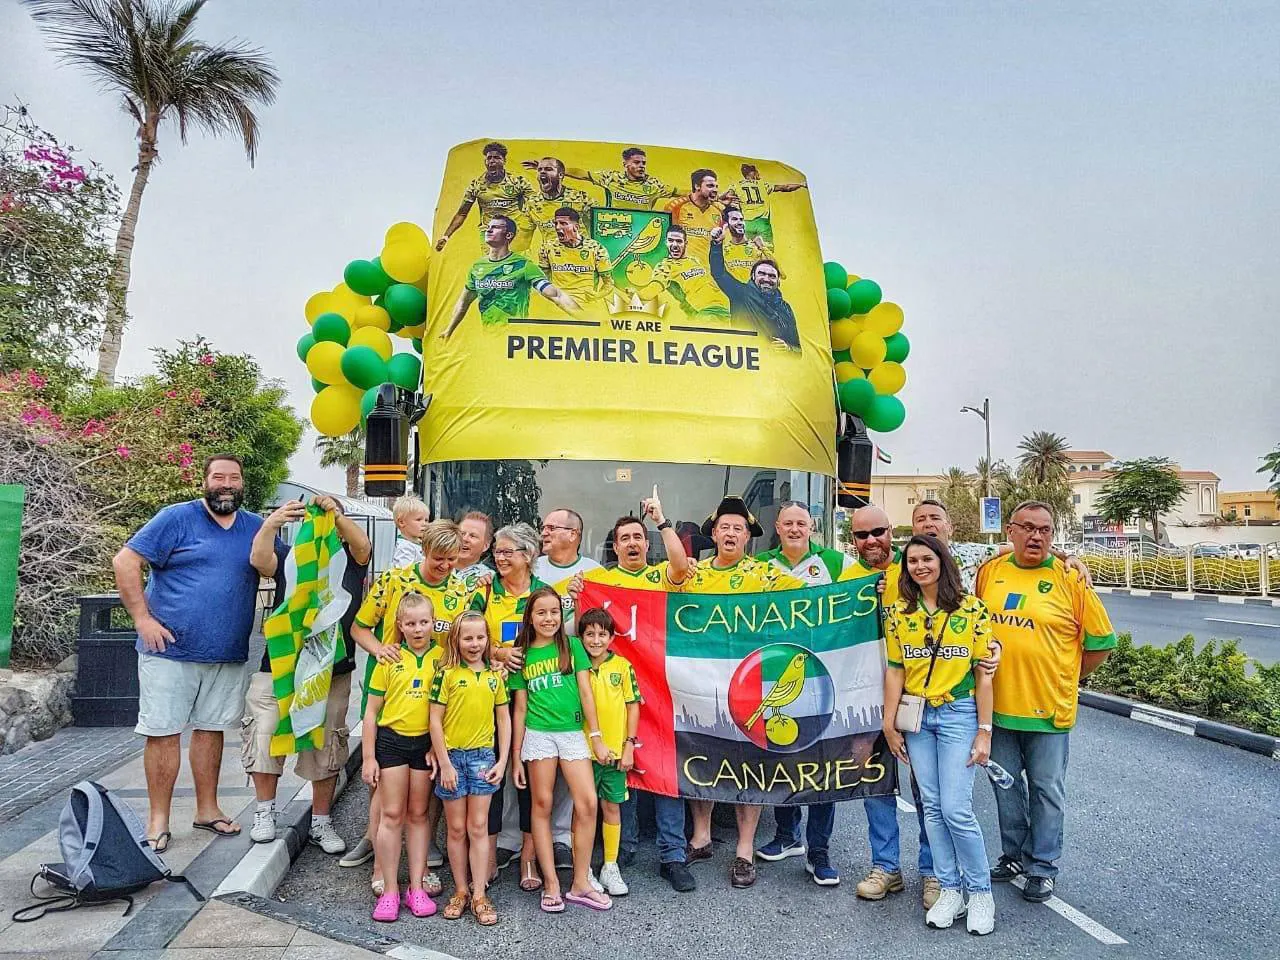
874 532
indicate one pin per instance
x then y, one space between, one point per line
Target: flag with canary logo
768 698
304 633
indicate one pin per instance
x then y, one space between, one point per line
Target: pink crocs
387 909
419 904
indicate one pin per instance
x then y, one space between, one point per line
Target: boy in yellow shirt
617 696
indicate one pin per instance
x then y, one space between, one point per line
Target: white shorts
570 745
176 694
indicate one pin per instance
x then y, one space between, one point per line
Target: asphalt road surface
1169 846
1161 621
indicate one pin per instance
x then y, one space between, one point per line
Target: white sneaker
326 838
434 857
982 913
596 885
611 880
947 910
264 825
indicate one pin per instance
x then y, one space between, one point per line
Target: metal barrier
1242 569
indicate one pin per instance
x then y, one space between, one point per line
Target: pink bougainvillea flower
123 452
197 397
36 381
206 360
184 448
171 394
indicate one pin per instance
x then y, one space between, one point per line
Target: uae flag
772 698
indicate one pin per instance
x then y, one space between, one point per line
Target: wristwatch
985 726
665 525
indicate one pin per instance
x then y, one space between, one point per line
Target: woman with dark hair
935 695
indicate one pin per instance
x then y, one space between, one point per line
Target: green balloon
885 414
405 370
363 367
838 304
366 277
864 295
417 344
897 347
367 403
856 396
841 356
835 275
317 385
305 343
406 304
332 327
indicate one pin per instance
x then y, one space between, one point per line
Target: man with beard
631 188
758 303
688 282
577 266
552 195
741 251
499 194
193 622
699 213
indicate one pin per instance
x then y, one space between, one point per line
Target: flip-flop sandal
596 901
212 826
552 904
531 883
161 843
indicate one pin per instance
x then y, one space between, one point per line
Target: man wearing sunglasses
1055 631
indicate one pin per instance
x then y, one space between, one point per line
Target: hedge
1215 682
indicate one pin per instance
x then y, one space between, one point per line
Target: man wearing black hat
732 570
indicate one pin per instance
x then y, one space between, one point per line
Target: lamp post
985 414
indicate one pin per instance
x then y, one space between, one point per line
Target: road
1161 621
1166 836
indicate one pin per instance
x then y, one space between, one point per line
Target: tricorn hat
733 506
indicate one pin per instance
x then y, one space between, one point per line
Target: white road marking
1243 623
1090 926
1063 909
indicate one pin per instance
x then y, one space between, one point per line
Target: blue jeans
630 825
882 831
940 757
1032 814
822 818
669 812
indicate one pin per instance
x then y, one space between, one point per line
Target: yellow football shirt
582 271
507 198
1045 617
542 210
739 258
748 575
753 198
405 687
697 224
613 686
961 639
505 612
690 282
469 698
628 194
891 573
448 599
650 577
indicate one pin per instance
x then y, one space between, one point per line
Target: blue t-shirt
202 586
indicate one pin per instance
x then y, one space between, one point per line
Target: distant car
1208 550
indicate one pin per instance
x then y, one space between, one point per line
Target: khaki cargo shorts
262 716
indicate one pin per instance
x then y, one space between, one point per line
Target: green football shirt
555 705
503 286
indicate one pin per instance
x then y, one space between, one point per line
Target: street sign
990 515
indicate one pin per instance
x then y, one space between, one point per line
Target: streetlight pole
985 414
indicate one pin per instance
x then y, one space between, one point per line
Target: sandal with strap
483 908
530 882
456 906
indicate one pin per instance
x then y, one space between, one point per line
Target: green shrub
1216 683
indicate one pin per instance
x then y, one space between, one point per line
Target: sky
1076 205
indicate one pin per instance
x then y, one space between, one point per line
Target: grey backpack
105 856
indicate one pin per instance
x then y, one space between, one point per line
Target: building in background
1249 506
898 493
1087 472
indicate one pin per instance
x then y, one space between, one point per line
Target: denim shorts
471 766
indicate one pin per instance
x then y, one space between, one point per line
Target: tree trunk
353 480
1155 529
117 305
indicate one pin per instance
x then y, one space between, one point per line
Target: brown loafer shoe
693 854
742 872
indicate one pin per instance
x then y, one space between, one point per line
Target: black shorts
393 749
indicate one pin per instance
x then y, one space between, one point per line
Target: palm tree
1271 466
144 51
1044 457
346 451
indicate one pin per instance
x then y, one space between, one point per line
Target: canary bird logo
781 697
788 687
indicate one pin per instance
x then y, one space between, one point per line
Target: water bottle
1001 777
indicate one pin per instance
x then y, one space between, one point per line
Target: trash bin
106 667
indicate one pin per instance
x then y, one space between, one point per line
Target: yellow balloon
317 304
410 332
346 302
848 371
842 333
324 362
374 338
372 316
867 349
405 261
853 278
888 377
405 231
336 410
884 319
